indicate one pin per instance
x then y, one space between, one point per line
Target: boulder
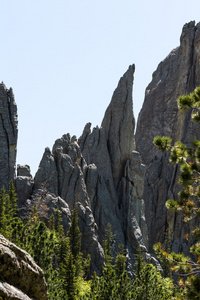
24 184
21 278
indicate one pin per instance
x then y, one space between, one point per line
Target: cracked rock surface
20 276
177 74
8 135
103 174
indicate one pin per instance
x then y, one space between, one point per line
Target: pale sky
64 59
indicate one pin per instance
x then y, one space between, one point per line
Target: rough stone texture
24 184
23 170
8 135
119 125
178 74
103 175
47 203
132 185
60 181
46 176
20 277
103 171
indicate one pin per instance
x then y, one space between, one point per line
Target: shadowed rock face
178 74
21 278
8 135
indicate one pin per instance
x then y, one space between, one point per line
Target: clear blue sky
64 59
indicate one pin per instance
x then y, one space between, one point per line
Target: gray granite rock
177 74
115 175
89 172
23 170
61 176
119 125
8 135
102 172
46 177
24 184
21 278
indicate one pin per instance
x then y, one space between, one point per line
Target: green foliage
110 286
186 102
56 222
69 278
114 283
188 203
8 210
61 259
151 285
75 234
107 244
163 143
59 256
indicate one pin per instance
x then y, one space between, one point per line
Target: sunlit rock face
8 135
113 176
21 278
103 174
177 74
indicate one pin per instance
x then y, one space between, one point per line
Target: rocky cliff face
102 173
177 74
20 277
8 135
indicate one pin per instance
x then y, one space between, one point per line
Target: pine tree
3 199
107 244
149 284
69 277
12 199
74 235
188 203
120 264
58 227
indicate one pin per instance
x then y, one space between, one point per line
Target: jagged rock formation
102 171
178 74
8 135
119 125
20 277
103 174
24 183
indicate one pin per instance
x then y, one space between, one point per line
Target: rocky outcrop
24 184
8 135
178 74
100 172
20 277
119 125
112 176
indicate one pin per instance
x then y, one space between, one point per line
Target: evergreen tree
58 227
107 244
3 199
69 277
188 158
13 209
149 284
74 235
